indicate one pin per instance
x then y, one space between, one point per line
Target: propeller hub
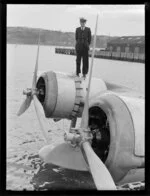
73 138
31 92
86 134
77 136
27 92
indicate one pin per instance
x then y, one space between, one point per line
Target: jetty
104 54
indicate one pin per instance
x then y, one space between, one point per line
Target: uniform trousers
82 54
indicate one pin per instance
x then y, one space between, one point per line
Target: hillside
25 35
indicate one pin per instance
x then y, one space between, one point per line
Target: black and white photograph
75 97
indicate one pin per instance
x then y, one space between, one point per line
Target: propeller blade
85 117
101 176
25 105
64 155
37 104
36 65
41 117
100 173
38 107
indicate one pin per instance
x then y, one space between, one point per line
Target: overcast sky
114 20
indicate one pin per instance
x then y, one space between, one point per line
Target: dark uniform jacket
83 38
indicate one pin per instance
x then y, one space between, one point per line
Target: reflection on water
24 138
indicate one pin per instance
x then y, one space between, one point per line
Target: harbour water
24 138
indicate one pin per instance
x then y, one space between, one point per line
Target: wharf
123 56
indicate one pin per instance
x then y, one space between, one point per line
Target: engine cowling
126 126
63 94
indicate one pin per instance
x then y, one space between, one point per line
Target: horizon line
72 32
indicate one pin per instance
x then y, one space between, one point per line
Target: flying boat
110 141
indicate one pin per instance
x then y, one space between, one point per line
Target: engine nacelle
125 116
63 95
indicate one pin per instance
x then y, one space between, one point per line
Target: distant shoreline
25 35
29 36
34 44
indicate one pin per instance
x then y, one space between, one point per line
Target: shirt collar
82 28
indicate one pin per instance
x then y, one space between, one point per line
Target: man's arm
89 36
76 35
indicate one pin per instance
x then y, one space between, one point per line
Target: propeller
25 105
32 94
101 176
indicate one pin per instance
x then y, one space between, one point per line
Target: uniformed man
83 40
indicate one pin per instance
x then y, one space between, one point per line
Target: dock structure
123 56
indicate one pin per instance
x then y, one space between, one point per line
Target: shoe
84 76
78 75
